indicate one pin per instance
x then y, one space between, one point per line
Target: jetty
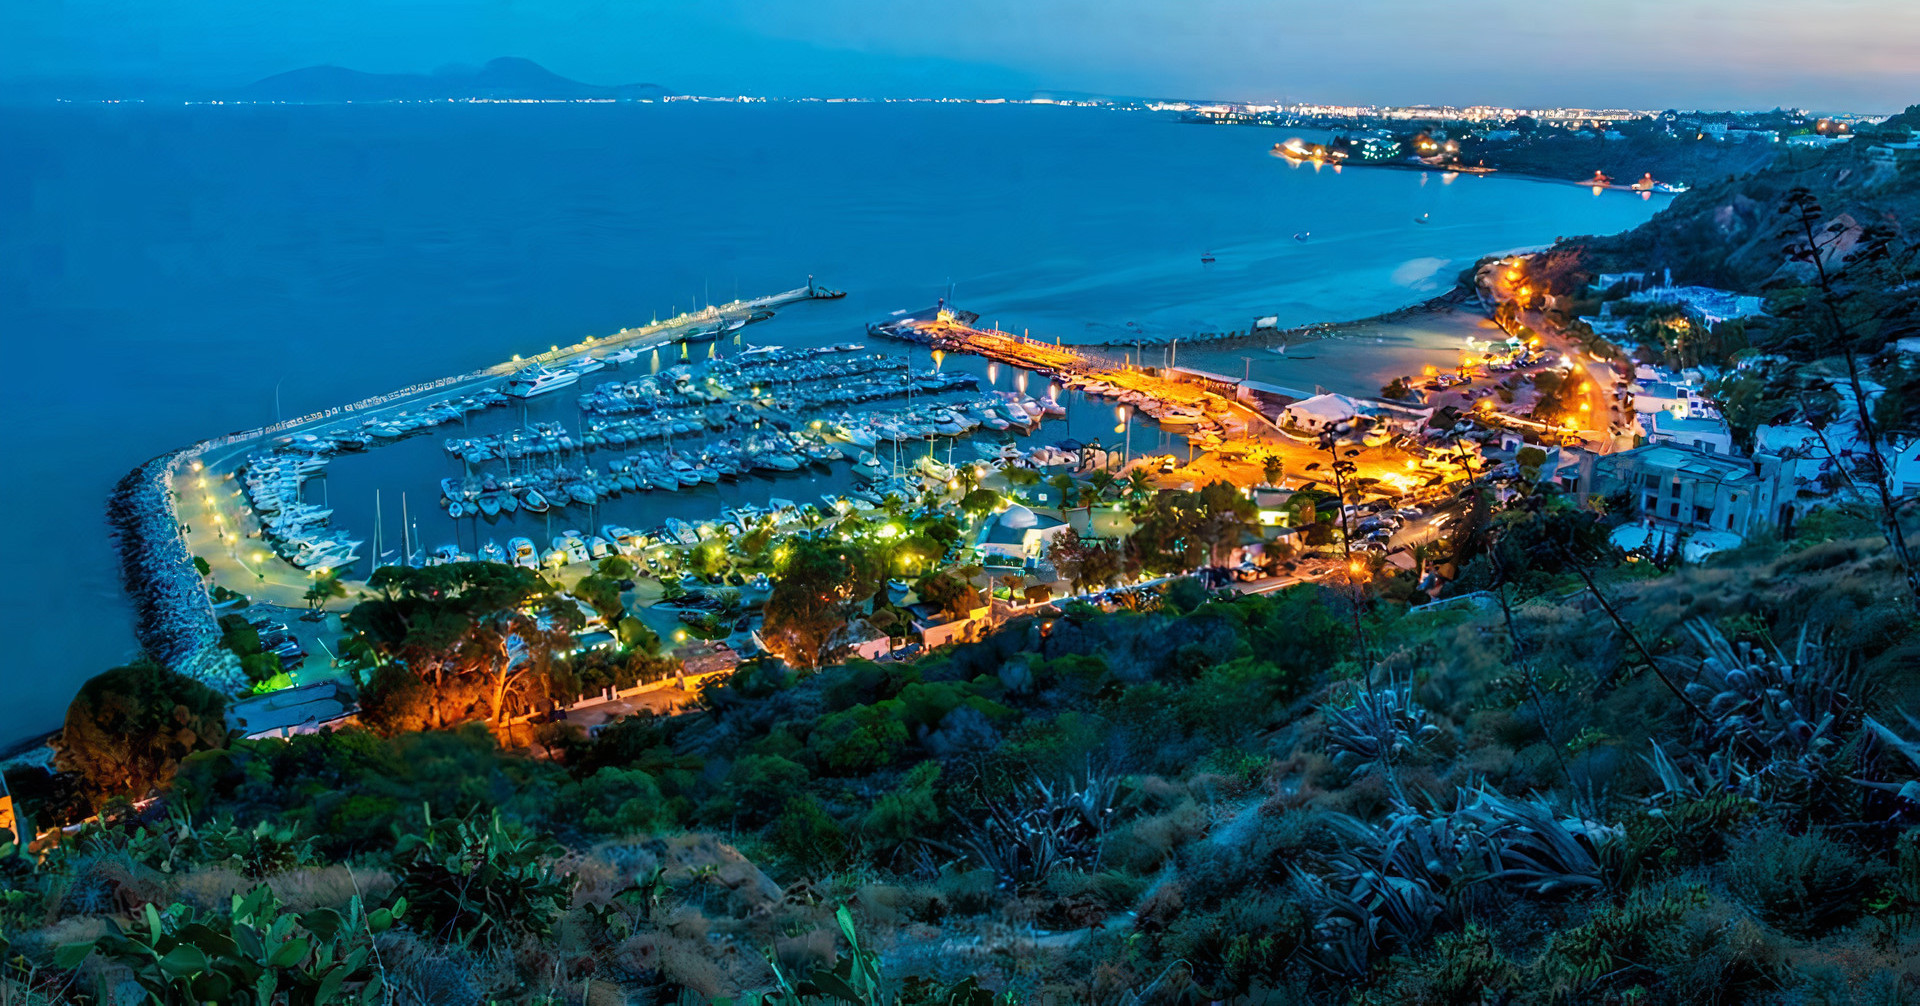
947 329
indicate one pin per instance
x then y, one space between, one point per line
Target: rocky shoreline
173 618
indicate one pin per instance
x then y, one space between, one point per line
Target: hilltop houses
1689 489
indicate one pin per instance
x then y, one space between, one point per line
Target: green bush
480 882
857 741
1462 969
1802 884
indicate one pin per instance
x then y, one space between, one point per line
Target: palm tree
1138 490
326 587
1064 484
1274 468
1103 481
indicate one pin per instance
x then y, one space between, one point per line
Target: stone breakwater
174 620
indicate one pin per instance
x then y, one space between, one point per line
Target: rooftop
1685 460
309 706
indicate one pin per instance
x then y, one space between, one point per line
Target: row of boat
272 482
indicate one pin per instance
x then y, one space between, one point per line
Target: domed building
1018 535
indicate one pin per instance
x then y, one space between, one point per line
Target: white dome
1018 516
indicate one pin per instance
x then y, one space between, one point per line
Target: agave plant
1383 727
1770 709
1908 789
1043 827
1535 847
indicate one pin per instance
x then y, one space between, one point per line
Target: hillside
1728 233
504 78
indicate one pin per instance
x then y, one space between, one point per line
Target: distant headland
507 78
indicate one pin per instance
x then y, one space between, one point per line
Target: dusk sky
1836 55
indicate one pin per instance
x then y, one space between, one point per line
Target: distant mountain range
504 78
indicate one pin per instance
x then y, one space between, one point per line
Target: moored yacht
538 380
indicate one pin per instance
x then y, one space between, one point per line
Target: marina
657 436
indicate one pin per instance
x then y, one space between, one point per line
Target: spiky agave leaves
1535 847
1769 707
1382 727
1044 826
1908 789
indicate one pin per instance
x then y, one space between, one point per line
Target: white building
1711 435
1679 400
1019 534
1321 412
1692 489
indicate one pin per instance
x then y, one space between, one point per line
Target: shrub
858 740
1802 884
1462 968
480 881
807 836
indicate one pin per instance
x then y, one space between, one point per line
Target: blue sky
1824 54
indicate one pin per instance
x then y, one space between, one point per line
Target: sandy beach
1353 357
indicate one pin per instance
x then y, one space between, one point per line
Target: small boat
1206 258
522 552
456 509
599 547
1421 219
492 552
490 504
508 502
534 501
1303 236
682 531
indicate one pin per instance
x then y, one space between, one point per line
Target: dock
949 330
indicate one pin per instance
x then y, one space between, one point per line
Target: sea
174 272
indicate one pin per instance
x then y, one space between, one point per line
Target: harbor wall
174 619
173 616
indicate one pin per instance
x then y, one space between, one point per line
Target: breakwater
174 617
175 621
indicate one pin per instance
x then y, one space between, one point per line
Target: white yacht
538 380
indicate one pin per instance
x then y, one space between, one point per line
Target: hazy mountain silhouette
507 77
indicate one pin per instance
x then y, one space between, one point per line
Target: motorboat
538 380
682 531
600 548
534 501
492 552
573 545
522 553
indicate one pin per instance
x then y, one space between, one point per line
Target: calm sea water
163 270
